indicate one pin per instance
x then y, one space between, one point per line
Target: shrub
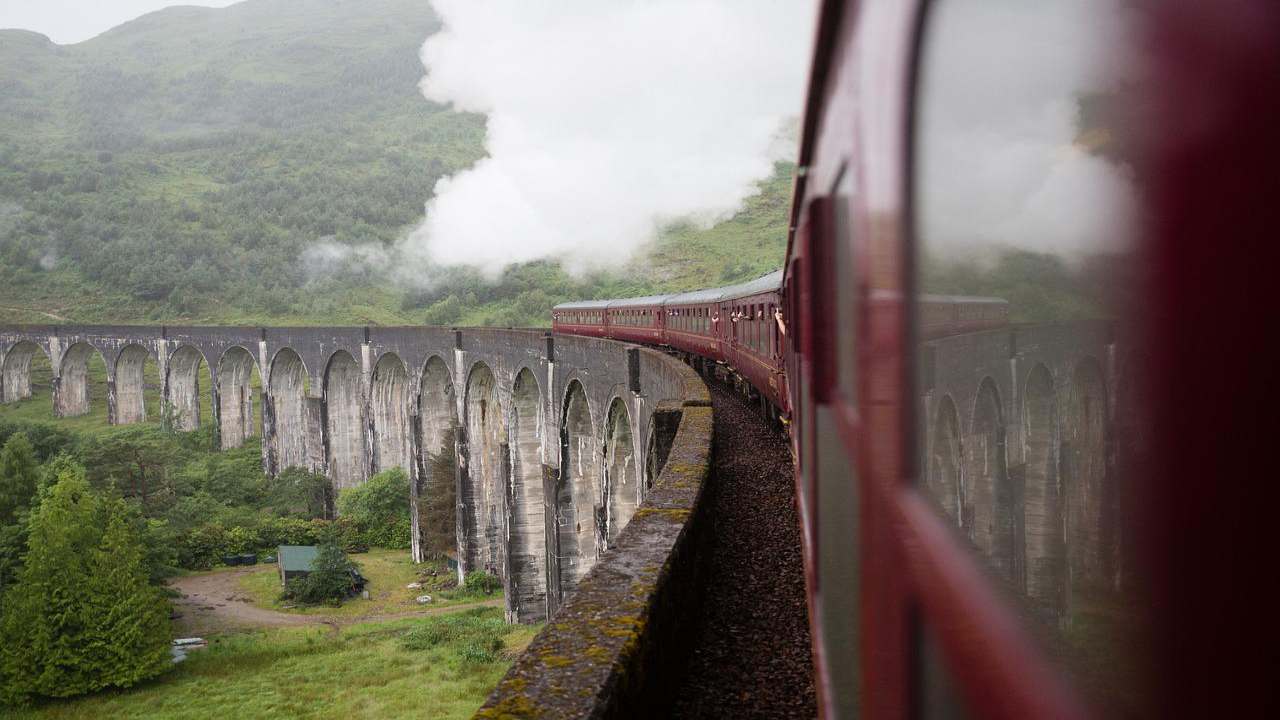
380 509
477 635
242 539
482 583
202 547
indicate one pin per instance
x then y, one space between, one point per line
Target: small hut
295 561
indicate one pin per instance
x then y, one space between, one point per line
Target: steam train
908 618
743 327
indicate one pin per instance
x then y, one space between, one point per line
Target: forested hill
176 167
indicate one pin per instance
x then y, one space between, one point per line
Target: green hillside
175 168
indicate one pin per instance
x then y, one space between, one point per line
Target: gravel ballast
752 657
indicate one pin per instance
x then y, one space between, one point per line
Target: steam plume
605 119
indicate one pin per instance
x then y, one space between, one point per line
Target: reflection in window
1024 201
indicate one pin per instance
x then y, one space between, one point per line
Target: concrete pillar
71 382
527 519
126 386
182 387
315 440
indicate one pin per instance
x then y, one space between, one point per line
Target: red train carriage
753 335
637 320
942 315
587 317
1054 521
695 325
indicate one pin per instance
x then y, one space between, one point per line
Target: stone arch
130 385
1042 507
621 471
434 494
482 489
17 370
235 379
182 387
288 385
390 400
72 395
528 562
343 421
945 482
578 502
1084 460
989 501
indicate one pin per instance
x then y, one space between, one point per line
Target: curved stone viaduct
549 441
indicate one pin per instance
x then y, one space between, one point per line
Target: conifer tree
81 615
19 472
127 625
43 623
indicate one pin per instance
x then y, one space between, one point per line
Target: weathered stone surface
1018 452
613 648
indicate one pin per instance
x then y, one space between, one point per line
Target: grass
440 667
388 572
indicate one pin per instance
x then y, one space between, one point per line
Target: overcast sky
71 21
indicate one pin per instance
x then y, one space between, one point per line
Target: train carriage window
1021 181
762 331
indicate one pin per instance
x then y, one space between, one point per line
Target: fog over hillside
196 163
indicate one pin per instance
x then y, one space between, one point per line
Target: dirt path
45 313
213 603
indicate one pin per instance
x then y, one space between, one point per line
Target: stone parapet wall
614 647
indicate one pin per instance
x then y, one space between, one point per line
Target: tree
137 458
19 475
43 625
332 577
380 507
127 636
298 492
82 615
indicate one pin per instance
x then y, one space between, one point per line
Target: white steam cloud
606 118
999 152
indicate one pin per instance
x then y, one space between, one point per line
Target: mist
607 119
1001 162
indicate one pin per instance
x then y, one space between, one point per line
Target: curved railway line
752 656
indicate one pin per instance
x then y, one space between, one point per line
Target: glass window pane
1024 200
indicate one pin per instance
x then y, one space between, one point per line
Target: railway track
752 657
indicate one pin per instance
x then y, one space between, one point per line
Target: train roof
768 283
971 299
583 305
638 301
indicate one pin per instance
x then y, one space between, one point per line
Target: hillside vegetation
176 169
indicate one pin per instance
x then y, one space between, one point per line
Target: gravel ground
752 659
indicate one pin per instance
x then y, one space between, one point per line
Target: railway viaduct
561 442
1019 454
552 439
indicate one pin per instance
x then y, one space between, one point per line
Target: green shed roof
297 558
